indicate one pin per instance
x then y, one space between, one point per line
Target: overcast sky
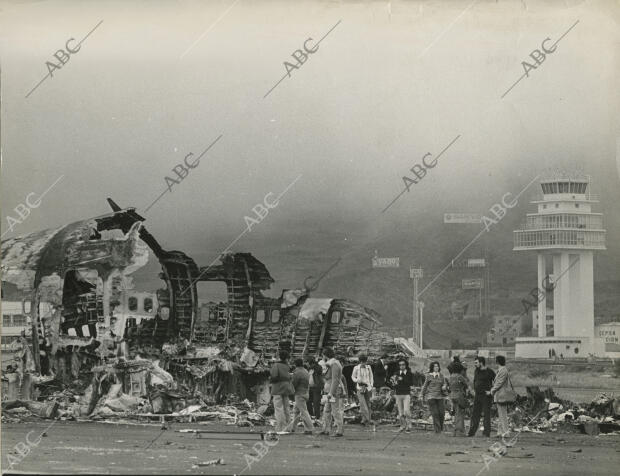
392 82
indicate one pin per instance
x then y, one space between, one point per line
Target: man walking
316 387
483 382
334 406
281 388
301 380
362 376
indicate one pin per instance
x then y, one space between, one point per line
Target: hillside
389 291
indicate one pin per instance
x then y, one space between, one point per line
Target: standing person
379 374
434 390
334 406
316 387
362 376
281 389
456 366
402 383
483 382
458 394
503 394
301 383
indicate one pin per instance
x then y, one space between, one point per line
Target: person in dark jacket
483 382
301 382
402 381
281 389
434 391
456 366
379 372
458 394
316 387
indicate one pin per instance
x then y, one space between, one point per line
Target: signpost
462 218
476 263
473 283
385 262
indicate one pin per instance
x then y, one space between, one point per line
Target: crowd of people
314 384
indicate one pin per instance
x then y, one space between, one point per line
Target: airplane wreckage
88 321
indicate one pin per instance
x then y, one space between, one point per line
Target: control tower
564 233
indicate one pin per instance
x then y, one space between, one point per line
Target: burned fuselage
77 281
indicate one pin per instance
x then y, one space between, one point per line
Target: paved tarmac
89 447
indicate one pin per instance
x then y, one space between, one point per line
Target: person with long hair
434 391
458 394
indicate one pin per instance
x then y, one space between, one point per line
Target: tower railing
582 239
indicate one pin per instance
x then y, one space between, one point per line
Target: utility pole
421 325
416 274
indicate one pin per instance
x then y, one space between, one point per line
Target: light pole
421 325
415 274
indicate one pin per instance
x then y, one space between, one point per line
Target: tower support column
558 281
542 303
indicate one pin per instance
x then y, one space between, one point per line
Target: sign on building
462 218
416 273
477 283
476 263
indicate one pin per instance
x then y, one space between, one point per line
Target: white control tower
565 232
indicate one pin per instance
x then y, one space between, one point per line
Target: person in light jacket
281 388
363 378
434 391
301 382
334 406
499 391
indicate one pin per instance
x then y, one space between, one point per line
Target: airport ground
107 448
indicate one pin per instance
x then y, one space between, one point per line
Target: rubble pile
544 411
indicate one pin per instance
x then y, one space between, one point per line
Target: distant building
15 319
549 330
505 330
607 337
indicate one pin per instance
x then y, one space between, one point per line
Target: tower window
576 205
557 205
